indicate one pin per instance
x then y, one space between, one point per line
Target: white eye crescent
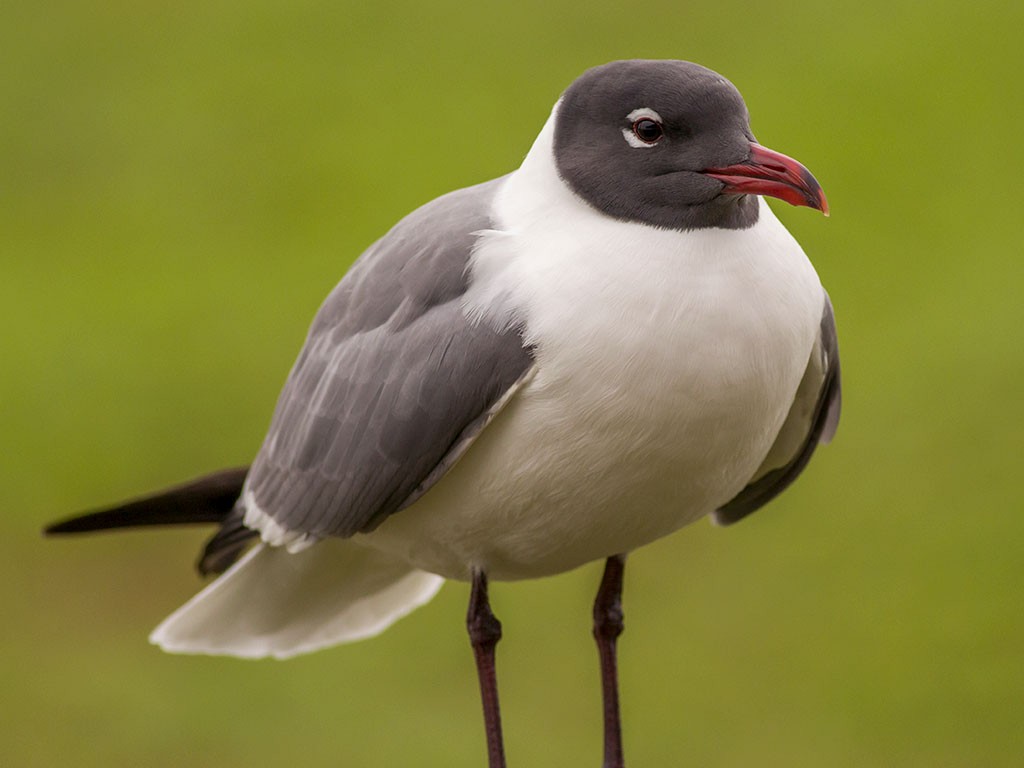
645 129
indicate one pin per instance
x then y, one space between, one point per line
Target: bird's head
668 143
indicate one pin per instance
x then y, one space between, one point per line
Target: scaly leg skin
607 628
484 634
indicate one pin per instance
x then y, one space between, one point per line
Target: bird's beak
767 172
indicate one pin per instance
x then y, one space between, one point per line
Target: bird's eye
647 130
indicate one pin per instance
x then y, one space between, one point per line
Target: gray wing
812 419
393 382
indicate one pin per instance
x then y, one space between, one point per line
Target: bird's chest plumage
665 365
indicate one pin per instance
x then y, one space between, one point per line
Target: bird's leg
484 634
607 628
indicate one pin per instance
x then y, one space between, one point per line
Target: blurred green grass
181 184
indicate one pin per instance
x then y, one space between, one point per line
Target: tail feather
206 500
280 604
270 602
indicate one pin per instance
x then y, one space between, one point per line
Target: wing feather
812 419
392 385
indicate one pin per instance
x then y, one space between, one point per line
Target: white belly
666 365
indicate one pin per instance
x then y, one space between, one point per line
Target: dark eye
647 130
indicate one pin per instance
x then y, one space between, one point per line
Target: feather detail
273 603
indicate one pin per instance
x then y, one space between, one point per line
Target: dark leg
484 634
607 628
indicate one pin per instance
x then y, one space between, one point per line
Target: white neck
536 187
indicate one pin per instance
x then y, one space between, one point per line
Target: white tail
279 604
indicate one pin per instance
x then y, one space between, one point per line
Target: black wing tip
57 529
69 525
208 499
226 545
122 517
724 517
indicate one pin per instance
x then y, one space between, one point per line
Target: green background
182 183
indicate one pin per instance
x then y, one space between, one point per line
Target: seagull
551 368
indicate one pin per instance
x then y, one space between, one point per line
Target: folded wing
812 419
392 385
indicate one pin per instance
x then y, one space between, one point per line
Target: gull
554 367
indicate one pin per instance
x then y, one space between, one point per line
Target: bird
550 368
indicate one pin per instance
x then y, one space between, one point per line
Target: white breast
666 363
